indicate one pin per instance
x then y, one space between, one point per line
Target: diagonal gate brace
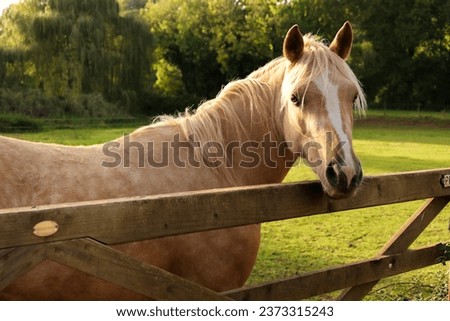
15 262
101 261
401 241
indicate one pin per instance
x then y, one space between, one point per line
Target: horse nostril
357 179
331 174
337 177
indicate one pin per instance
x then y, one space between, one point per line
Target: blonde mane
220 118
240 108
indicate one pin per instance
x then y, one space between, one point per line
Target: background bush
34 103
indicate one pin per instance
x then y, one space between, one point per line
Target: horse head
319 92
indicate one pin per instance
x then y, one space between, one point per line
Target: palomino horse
300 104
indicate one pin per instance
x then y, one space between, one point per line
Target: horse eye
355 99
295 100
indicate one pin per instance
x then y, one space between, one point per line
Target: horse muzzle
342 181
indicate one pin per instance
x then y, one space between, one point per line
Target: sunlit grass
75 136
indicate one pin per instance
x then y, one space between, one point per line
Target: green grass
305 244
75 136
412 115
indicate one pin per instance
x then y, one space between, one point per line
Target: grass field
384 144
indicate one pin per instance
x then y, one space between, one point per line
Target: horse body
239 138
50 174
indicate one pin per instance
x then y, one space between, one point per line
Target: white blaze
330 93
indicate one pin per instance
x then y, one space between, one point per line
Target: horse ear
342 43
293 44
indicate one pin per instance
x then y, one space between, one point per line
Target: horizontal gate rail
134 219
331 279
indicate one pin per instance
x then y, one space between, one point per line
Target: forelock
317 59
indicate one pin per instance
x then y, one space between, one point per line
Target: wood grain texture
133 219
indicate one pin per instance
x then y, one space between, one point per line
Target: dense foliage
153 56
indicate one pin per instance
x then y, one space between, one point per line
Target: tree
211 42
410 40
183 32
191 48
81 46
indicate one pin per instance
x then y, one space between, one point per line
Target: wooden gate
78 235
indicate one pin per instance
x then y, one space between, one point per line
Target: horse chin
337 194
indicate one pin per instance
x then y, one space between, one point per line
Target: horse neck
246 122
